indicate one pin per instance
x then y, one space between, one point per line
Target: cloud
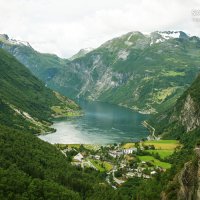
63 27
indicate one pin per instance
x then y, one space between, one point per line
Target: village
119 162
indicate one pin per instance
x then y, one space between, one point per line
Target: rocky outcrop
190 114
186 184
187 181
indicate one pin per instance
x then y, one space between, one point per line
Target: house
114 154
153 173
130 174
129 151
79 157
97 157
146 176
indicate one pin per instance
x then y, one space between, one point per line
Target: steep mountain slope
29 167
33 169
184 116
183 122
25 97
182 180
145 72
43 66
135 70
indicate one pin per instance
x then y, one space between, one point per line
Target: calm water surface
102 123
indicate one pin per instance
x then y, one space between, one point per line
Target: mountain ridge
123 70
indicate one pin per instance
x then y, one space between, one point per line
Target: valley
99 147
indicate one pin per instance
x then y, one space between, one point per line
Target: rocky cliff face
190 114
185 114
186 184
183 122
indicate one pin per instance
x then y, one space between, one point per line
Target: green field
108 166
98 165
163 141
102 166
162 153
163 144
62 112
128 145
155 161
164 148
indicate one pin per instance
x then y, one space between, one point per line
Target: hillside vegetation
29 167
24 96
181 181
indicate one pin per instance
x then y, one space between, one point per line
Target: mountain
145 72
184 117
182 122
182 180
29 167
42 65
142 72
81 53
23 96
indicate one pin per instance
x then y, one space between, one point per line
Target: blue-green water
102 123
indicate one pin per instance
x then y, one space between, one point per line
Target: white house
129 151
79 157
114 154
153 172
97 157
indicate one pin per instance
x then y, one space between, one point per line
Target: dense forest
33 169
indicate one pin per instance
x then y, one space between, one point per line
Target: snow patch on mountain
19 42
6 39
170 34
159 40
161 36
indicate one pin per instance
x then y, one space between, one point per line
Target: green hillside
33 169
24 96
183 117
181 181
43 66
29 167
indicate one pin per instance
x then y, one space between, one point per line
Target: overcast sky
65 26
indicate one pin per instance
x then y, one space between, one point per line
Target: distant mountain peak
161 36
82 53
172 34
5 38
